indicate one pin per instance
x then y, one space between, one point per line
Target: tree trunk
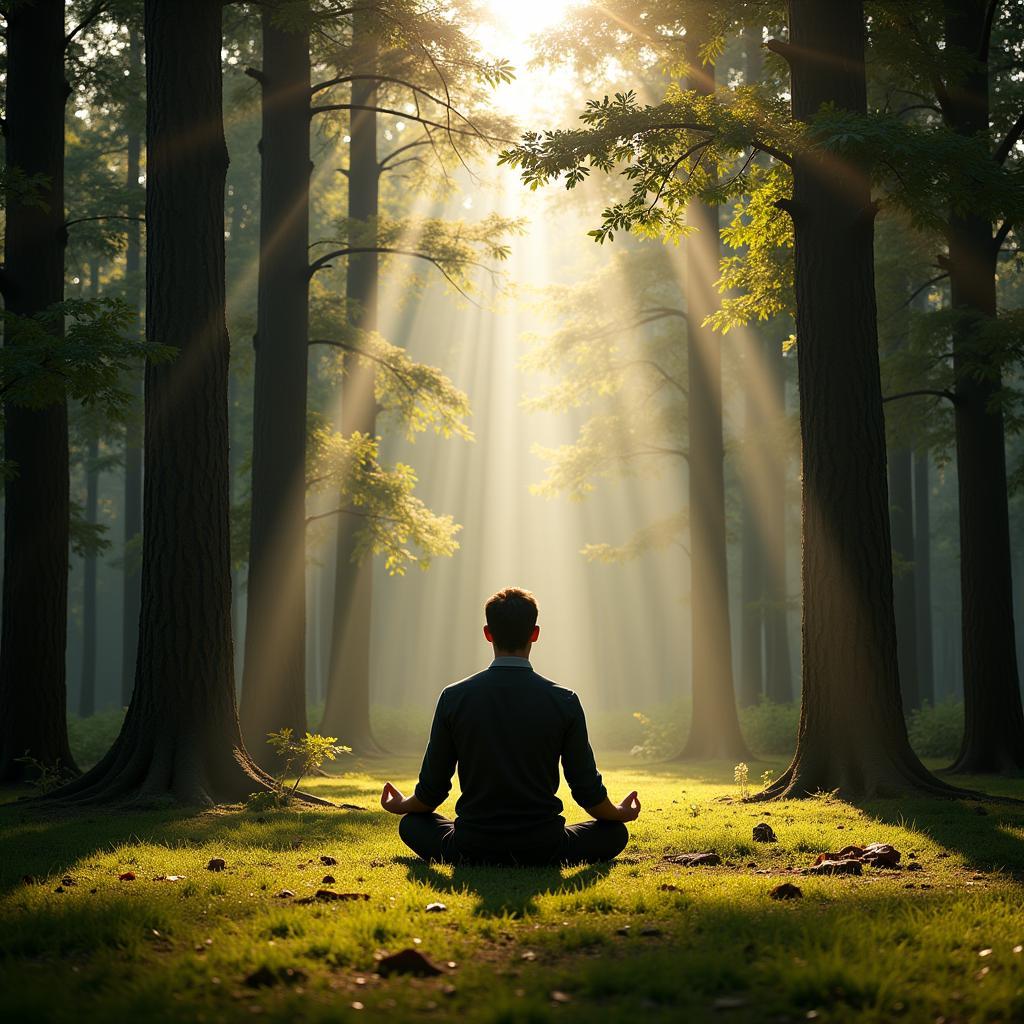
180 739
87 690
274 672
133 430
994 722
923 578
714 726
778 666
33 631
852 735
347 708
901 512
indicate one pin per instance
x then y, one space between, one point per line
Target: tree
181 737
36 509
852 736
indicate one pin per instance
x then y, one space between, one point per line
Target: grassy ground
640 938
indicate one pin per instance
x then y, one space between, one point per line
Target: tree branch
1012 137
107 216
1004 230
90 16
403 378
476 134
933 392
985 43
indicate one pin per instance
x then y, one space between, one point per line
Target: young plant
741 774
299 757
767 778
47 776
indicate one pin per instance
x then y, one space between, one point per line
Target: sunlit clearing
525 17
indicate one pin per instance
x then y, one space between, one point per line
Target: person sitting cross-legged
506 729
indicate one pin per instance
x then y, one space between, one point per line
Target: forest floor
639 938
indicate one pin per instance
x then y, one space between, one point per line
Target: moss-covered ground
640 939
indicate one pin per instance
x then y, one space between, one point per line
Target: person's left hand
392 800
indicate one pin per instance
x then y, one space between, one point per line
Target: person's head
512 622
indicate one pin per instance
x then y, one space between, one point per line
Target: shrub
936 730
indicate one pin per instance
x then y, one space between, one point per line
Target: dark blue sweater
506 729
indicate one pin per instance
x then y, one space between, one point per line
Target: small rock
436 908
914 867
266 977
764 833
836 867
328 880
786 891
624 930
407 961
284 894
126 876
67 880
560 997
216 864
752 864
693 860
528 955
650 932
328 861
60 888
667 887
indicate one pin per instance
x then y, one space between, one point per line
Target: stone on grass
266 977
786 891
693 860
328 861
216 864
436 908
407 961
836 867
764 833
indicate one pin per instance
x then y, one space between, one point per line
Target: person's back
506 729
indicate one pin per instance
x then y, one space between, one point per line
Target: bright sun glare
526 17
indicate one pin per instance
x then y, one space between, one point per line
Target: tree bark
274 673
852 735
993 718
714 726
180 739
131 590
33 630
923 578
347 707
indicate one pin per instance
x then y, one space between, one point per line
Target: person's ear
488 635
534 634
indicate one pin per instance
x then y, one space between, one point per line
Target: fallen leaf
560 997
216 864
126 876
67 880
328 880
327 895
436 908
650 932
728 1003
667 887
528 955
836 867
284 894
407 961
328 861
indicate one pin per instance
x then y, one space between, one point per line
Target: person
506 729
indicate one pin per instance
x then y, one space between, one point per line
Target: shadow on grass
41 842
505 891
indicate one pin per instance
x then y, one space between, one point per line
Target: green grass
888 945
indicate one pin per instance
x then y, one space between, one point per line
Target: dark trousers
433 838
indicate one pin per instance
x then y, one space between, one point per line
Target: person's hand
392 800
630 807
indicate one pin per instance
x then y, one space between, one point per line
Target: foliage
300 757
396 523
45 777
935 730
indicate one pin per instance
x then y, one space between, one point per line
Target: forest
326 320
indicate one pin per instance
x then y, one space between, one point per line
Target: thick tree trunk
347 708
274 673
181 739
923 578
132 594
901 512
852 736
778 666
714 726
87 690
35 573
994 722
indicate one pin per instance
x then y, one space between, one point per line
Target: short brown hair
511 615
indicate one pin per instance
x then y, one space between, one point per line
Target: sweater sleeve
578 762
435 780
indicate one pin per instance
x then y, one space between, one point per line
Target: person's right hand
630 807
